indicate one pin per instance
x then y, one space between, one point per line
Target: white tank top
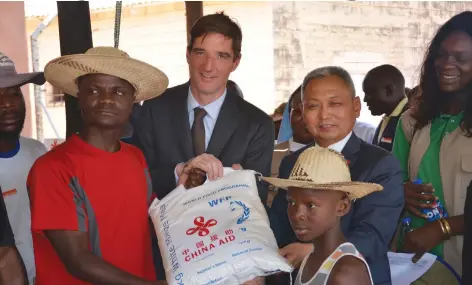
322 275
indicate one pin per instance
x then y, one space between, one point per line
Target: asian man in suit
330 109
202 123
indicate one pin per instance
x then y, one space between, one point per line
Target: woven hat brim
22 79
355 189
148 80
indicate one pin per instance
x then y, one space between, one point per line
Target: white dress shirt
364 131
339 146
294 146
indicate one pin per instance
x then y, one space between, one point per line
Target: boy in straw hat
90 195
319 193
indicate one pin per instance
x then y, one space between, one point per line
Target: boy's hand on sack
196 177
255 281
211 165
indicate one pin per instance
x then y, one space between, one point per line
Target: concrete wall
157 34
355 35
282 41
13 44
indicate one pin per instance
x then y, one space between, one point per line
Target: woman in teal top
445 103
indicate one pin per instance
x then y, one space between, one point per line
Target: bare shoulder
349 270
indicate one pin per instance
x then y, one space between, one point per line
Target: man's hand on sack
294 253
195 171
256 281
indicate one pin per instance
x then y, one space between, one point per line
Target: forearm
12 270
91 268
457 225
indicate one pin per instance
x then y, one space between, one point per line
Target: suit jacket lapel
225 124
181 122
350 150
375 140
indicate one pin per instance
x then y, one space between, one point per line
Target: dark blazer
467 247
243 134
371 222
386 140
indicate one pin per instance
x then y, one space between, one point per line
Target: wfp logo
246 211
215 202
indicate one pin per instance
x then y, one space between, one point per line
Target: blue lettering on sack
188 202
246 251
211 267
213 281
170 246
179 278
215 202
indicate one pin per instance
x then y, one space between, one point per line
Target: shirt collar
212 109
339 146
294 146
398 110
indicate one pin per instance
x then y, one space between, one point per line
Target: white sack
217 233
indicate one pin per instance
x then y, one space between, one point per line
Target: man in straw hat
90 195
320 192
17 155
330 109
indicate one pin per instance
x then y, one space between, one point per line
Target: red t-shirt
77 187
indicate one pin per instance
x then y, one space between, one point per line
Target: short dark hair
218 23
387 72
290 99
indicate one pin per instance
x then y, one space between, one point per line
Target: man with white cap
90 195
17 155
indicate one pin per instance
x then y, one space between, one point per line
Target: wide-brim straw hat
324 169
147 80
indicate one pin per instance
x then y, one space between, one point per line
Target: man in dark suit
232 131
330 109
384 88
202 124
